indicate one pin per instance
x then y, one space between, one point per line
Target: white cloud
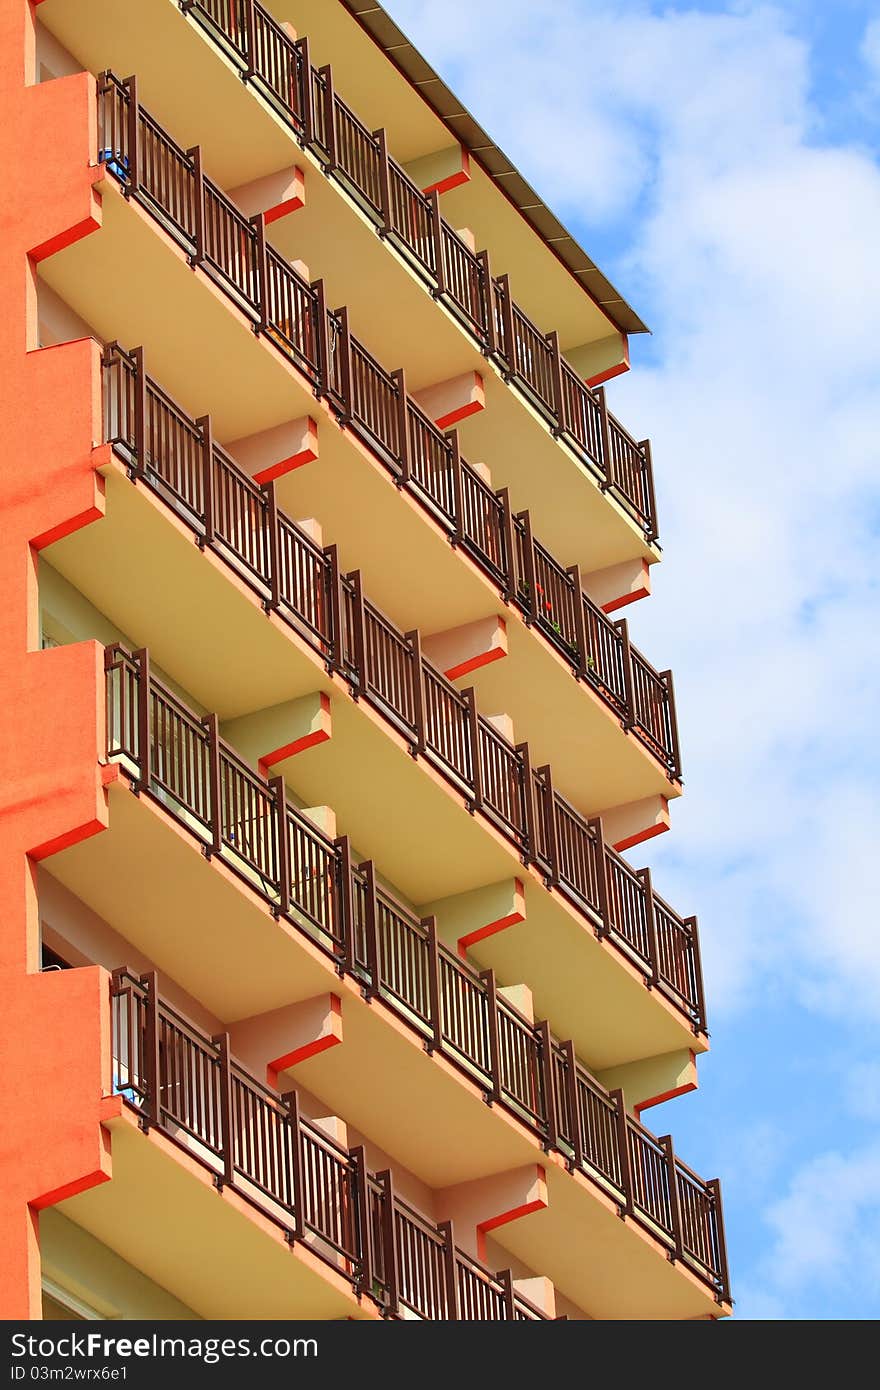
871 47
694 135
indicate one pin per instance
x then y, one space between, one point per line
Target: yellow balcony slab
213 1250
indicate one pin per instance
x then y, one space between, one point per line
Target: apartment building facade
329 991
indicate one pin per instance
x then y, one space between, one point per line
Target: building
327 990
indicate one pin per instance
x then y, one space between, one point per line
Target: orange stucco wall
54 1058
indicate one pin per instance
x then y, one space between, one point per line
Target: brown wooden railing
181 761
376 405
280 68
179 460
188 1085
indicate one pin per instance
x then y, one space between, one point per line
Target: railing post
714 1187
359 633
273 547
580 621
488 303
511 567
610 478
346 384
133 183
430 925
601 876
206 430
258 222
140 414
250 40
622 1130
530 848
437 238
151 1114
549 1087
371 930
306 93
336 655
450 1272
329 119
279 794
573 1105
651 529
508 347
697 967
290 1100
381 138
470 697
458 534
358 1159
552 837
558 394
323 344
227 1137
345 905
195 154
144 730
532 605
404 456
644 876
418 687
666 1144
488 979
506 1278
389 1239
629 718
214 797
675 751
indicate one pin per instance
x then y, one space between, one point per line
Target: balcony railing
310 880
188 1085
178 459
374 403
281 70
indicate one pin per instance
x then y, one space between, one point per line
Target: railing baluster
651 530
665 1142
330 132
457 486
488 979
509 346
644 875
437 241
418 688
512 587
258 222
389 1239
250 39
470 697
530 848
558 394
629 717
622 1132
144 732
279 793
542 1030
334 585
381 138
195 154
404 456
601 875
306 94
133 183
533 603
552 827
605 435
573 1104
666 679
273 546
714 1187
580 622
700 1000
343 353
291 1101
487 303
505 1278
140 413
344 920
227 1136
358 1157
151 1112
371 930
323 343
206 431
215 800
450 1272
359 633
434 999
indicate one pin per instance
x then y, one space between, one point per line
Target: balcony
394 959
184 1084
478 321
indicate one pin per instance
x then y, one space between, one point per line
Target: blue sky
720 162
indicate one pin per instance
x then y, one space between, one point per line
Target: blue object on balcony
116 162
